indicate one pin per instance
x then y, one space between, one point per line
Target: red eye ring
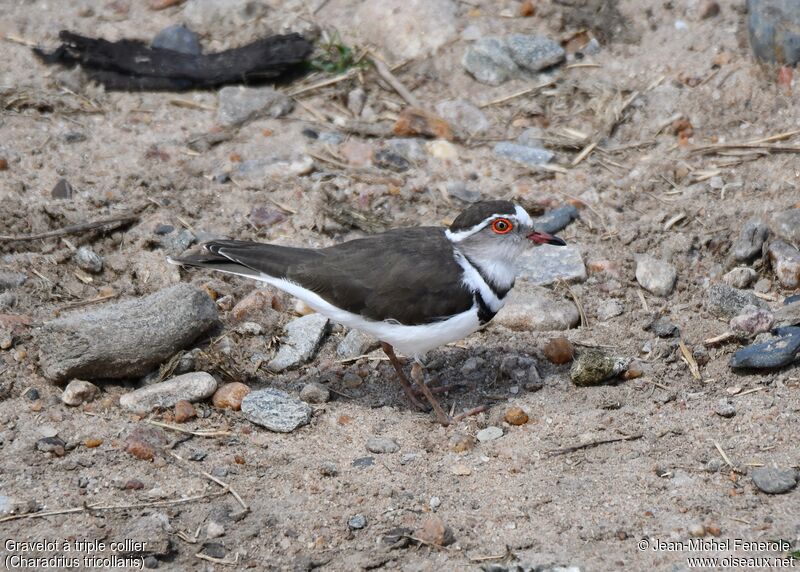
502 226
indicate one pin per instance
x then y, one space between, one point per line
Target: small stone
522 154
356 99
11 280
785 261
88 261
488 61
593 367
133 485
740 277
763 285
388 159
357 522
442 150
230 396
726 302
53 445
557 219
527 9
434 531
379 444
559 350
256 307
363 462
537 309
276 410
214 530
462 191
413 122
773 480
184 411
609 309
534 53
775 353
752 321
238 105
79 391
725 408
303 337
656 276
435 503
178 38
315 393
516 416
356 153
662 327
328 469
750 241
708 9
464 116
356 343
460 442
92 443
547 264
62 190
191 387
787 225
489 434
144 441
697 530
461 470
249 329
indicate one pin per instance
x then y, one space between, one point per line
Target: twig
72 229
223 561
87 302
223 484
591 444
578 304
384 71
690 361
324 83
723 454
749 391
368 356
200 433
517 94
724 337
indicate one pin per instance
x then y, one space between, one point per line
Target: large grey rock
489 62
548 264
238 105
785 261
405 29
656 276
463 116
127 339
751 238
178 38
10 280
787 223
356 343
522 154
774 481
195 386
303 336
533 308
276 410
726 302
534 53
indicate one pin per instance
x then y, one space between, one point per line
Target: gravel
752 321
609 309
464 116
356 343
556 219
534 53
726 302
750 241
238 105
785 262
534 308
740 277
489 62
522 154
303 336
88 260
787 223
656 276
315 393
491 433
725 408
78 392
378 444
192 387
276 410
10 280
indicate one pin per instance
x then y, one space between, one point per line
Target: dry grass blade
591 444
74 228
211 477
384 71
200 433
324 83
221 561
690 361
516 94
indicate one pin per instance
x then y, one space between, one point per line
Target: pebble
522 154
548 264
88 260
787 225
662 327
230 396
537 309
750 241
238 105
194 386
379 444
489 61
315 393
593 367
328 469
79 391
656 276
559 350
740 277
516 416
363 462
184 411
556 219
214 530
696 529
388 159
62 190
356 343
249 328
435 502
356 153
752 321
414 122
7 300
303 337
489 434
464 116
785 261
54 445
356 99
442 150
10 280
725 408
609 309
774 353
434 531
726 302
460 442
534 53
708 9
774 481
152 532
178 38
276 410
357 522
254 307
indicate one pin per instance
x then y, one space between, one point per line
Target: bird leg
416 375
401 377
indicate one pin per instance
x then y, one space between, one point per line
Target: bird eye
502 226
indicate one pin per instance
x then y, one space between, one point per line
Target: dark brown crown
479 212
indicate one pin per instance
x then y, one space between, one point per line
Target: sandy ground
519 499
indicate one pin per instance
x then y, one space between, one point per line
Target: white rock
656 276
192 387
79 391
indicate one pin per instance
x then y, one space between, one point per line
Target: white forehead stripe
521 216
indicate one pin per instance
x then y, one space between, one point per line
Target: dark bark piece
134 66
124 340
